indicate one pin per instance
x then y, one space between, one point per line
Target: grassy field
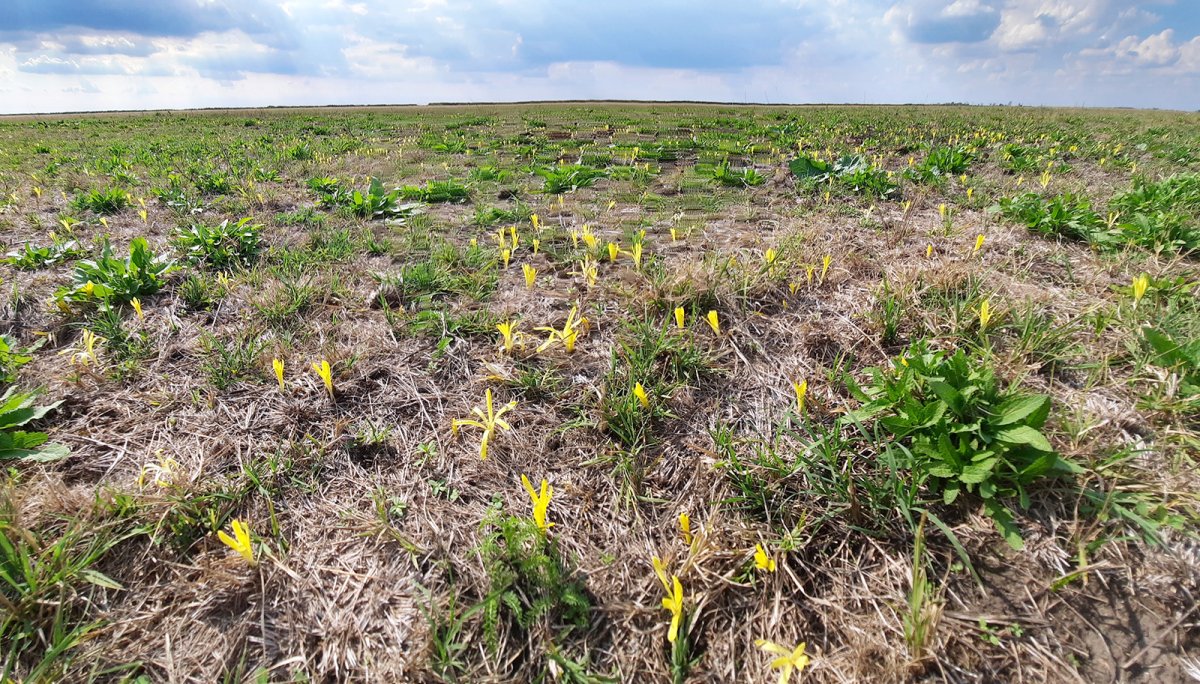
597 393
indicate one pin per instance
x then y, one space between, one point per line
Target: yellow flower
613 251
1140 285
89 288
825 266
770 256
137 307
714 322
674 234
487 422
506 332
324 372
685 526
801 391
636 253
640 393
505 255
762 561
163 471
537 244
277 364
530 275
928 251
537 224
942 210
679 317
568 334
788 660
541 502
240 541
978 243
985 314
142 214
87 356
673 600
589 238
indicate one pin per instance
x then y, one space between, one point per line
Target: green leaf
1004 523
1023 434
99 579
948 394
978 472
950 493
1019 409
806 167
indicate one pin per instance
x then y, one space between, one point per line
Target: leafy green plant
377 203
1181 357
18 409
487 172
1066 215
1018 158
107 279
1163 214
221 247
528 580
941 162
435 192
103 202
963 432
13 356
568 177
851 172
211 181
725 174
30 257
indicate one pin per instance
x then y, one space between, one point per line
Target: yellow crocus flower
240 541
541 502
762 560
787 660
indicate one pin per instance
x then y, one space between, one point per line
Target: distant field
917 387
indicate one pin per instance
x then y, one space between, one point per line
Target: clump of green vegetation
30 257
376 203
963 433
568 178
1160 215
220 247
851 173
941 162
725 174
1019 158
17 410
108 279
1063 215
103 202
13 356
435 192
528 581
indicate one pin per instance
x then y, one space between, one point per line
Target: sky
83 55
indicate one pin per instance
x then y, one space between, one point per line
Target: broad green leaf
978 472
806 167
1019 409
1023 434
